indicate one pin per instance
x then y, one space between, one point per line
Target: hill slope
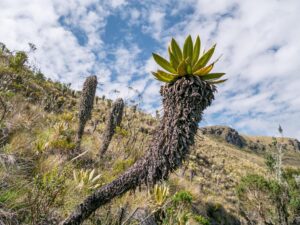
41 184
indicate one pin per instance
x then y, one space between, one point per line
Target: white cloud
128 80
132 15
58 52
126 62
259 41
135 14
156 20
117 3
155 23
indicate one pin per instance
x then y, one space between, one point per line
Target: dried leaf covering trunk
282 211
114 120
86 105
3 109
183 104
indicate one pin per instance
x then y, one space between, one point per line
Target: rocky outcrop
144 216
295 144
256 146
229 134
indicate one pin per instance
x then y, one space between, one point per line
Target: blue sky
259 41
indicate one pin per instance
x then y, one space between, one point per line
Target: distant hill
255 143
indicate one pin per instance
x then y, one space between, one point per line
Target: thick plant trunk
4 136
85 107
3 107
282 212
114 120
183 104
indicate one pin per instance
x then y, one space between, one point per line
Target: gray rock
295 143
256 146
230 135
296 221
144 217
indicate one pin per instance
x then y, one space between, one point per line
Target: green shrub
121 165
8 196
121 131
178 210
40 76
270 199
270 162
62 144
290 176
17 61
40 145
201 220
48 192
253 182
184 197
67 117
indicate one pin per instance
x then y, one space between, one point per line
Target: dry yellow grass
217 166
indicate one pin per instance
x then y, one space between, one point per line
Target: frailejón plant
185 96
187 62
160 194
86 179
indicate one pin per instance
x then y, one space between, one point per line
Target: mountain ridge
232 136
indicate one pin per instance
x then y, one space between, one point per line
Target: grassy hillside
41 183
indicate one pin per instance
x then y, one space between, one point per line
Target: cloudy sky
259 41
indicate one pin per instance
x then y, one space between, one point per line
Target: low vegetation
42 180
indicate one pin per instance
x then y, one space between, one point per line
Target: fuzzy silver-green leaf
188 48
163 63
196 50
204 59
173 61
213 76
176 50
